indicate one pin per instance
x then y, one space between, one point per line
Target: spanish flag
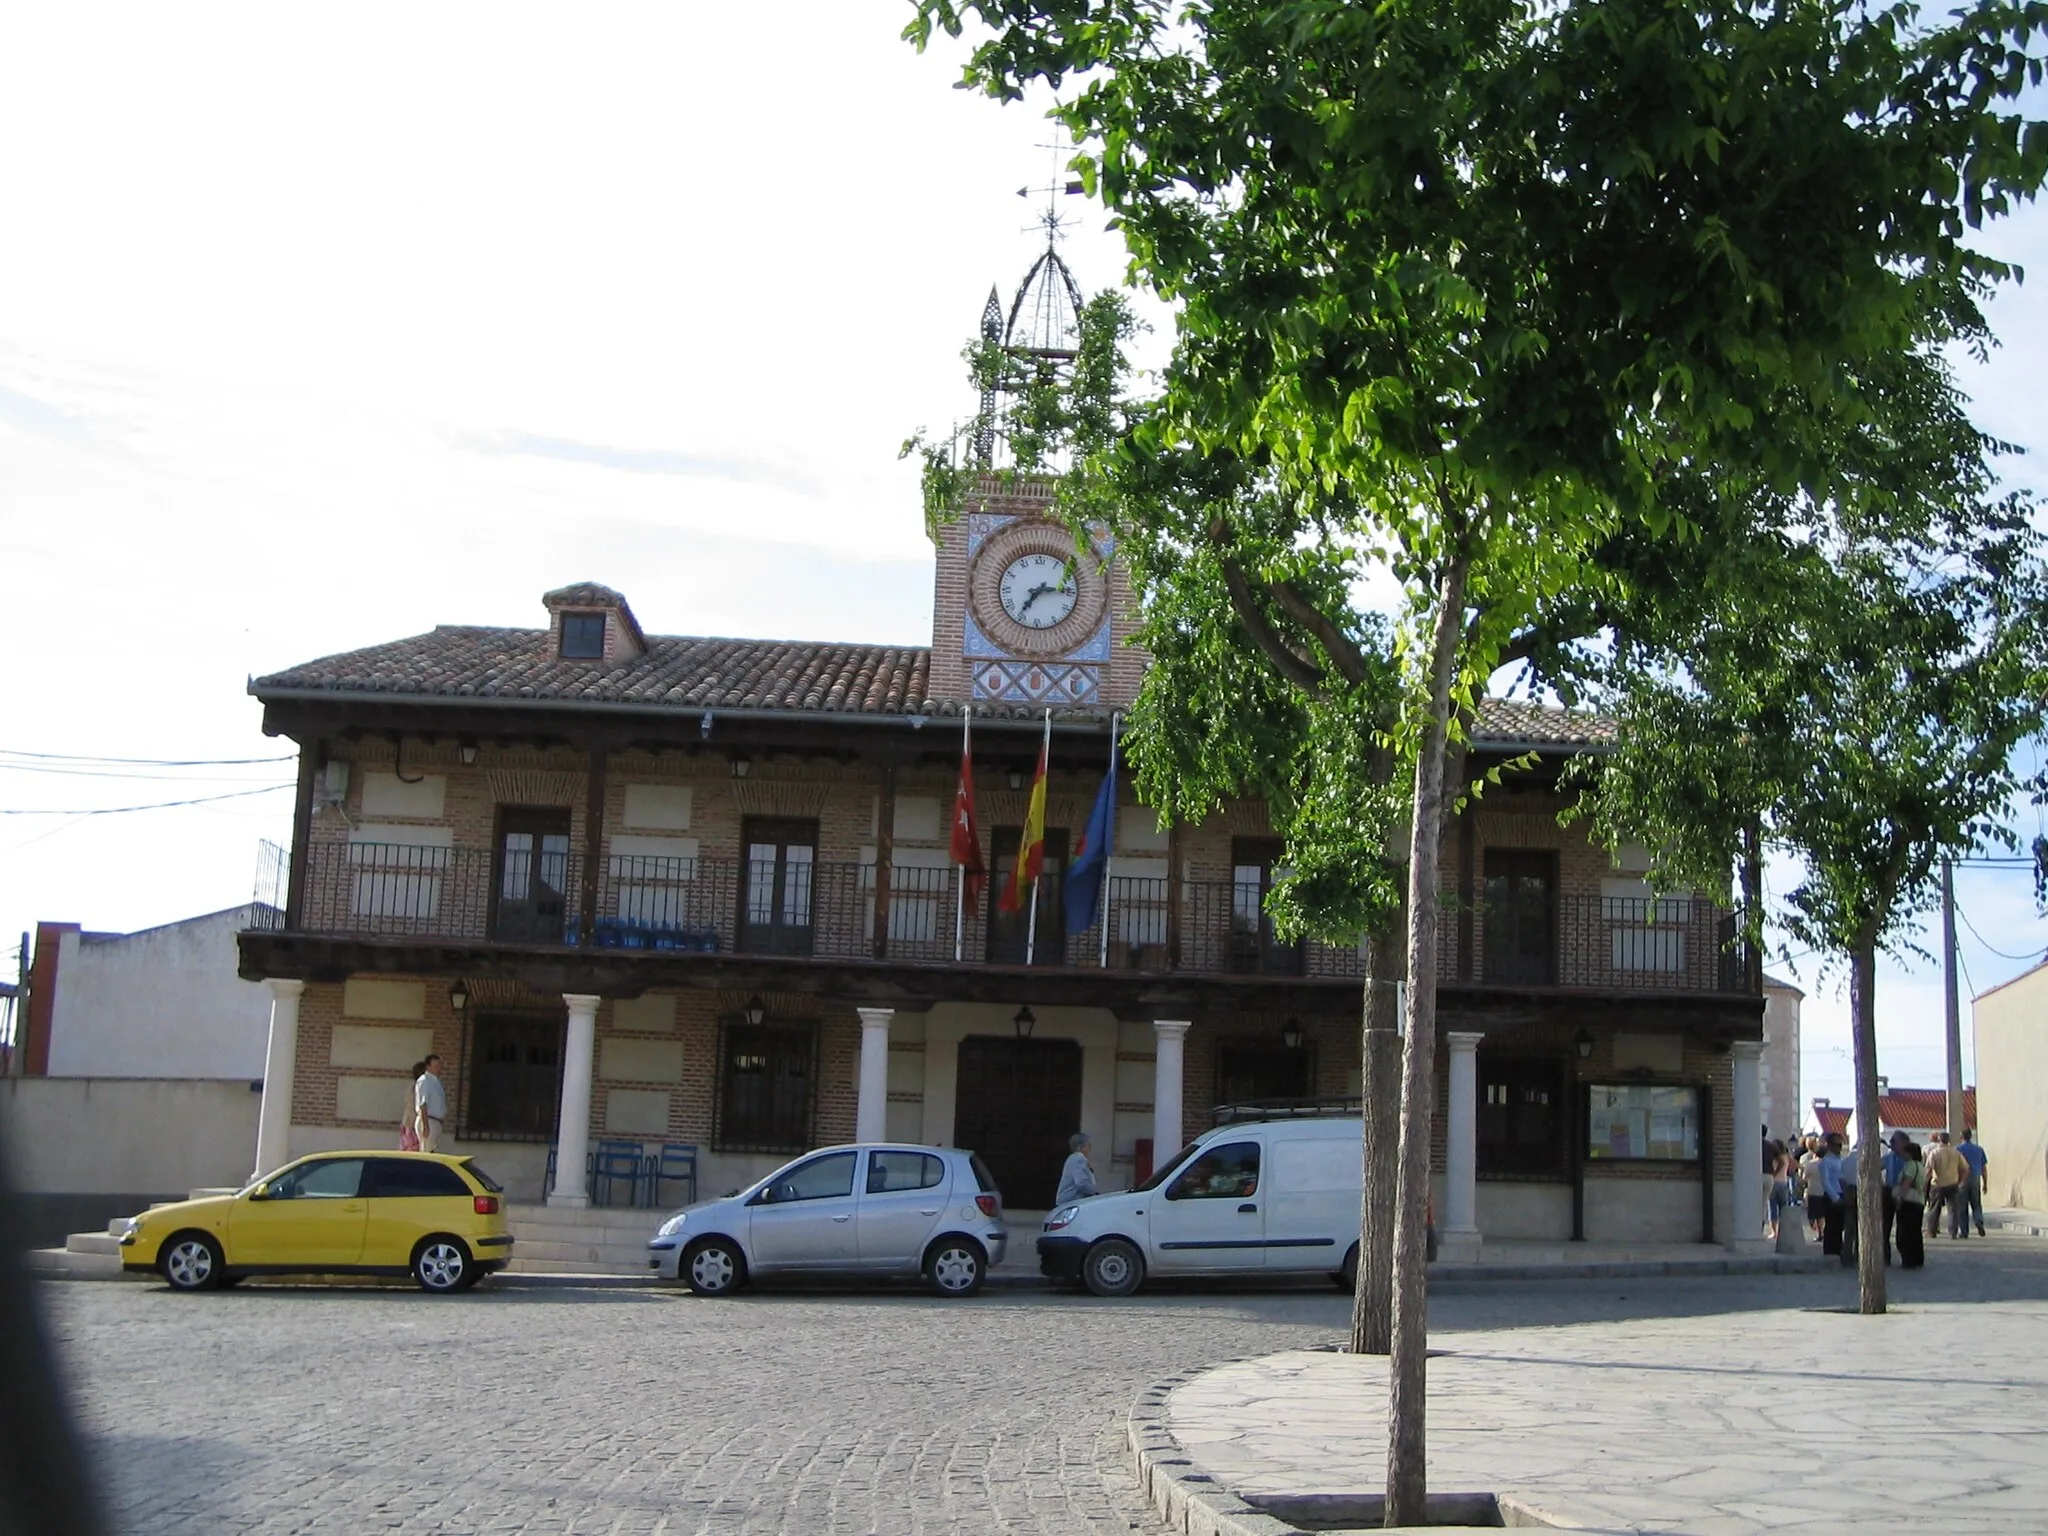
1031 846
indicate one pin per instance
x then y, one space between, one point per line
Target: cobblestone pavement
287 1409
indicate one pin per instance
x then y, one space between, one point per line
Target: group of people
1920 1184
425 1120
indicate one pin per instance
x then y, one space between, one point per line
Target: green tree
1461 285
1860 707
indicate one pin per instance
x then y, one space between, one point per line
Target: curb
1765 1264
1187 1500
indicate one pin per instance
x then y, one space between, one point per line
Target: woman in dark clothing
1911 1194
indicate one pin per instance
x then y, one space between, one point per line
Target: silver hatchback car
873 1209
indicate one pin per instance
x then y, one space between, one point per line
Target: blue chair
616 1160
674 1164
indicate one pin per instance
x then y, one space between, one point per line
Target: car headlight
128 1226
672 1226
1061 1217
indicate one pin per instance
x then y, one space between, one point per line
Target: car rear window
403 1178
475 1171
982 1176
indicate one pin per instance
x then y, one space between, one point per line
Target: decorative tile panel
1058 683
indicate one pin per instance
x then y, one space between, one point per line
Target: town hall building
656 890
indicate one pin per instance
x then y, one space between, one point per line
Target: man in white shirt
430 1100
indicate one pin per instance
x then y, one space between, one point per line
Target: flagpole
1109 843
960 890
1031 929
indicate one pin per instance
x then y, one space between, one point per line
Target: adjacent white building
167 1002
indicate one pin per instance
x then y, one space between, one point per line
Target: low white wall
95 1135
1650 1210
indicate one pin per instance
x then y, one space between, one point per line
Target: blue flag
1083 890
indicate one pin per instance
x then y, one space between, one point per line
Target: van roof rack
1244 1110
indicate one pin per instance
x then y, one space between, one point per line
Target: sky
320 325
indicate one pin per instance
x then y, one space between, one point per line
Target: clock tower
1022 615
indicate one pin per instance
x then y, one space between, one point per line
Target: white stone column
572 1129
1169 1038
871 1117
1745 1162
280 1070
1459 1237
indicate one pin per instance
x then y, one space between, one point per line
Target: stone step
62 1264
522 1264
577 1253
93 1242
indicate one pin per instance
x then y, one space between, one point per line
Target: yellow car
439 1219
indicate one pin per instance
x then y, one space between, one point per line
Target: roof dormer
591 623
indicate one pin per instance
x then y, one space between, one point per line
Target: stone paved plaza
292 1409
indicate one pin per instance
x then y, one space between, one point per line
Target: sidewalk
1699 1424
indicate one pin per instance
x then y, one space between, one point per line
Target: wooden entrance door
1016 1102
776 891
530 894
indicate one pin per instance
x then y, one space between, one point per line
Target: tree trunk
1407 1467
1869 1212
1372 1307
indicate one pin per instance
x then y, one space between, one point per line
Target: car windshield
475 1171
1166 1169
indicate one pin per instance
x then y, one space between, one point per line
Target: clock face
1038 590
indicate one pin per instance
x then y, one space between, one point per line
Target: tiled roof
686 673
1908 1108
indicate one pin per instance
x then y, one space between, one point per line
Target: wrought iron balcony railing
831 911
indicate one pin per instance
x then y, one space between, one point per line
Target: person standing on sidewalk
1816 1188
1894 1160
1945 1172
1973 1181
432 1103
1831 1195
1911 1192
409 1126
1852 1223
1077 1178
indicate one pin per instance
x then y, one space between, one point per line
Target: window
1250 1074
822 1178
889 1172
1521 901
402 1179
1522 1118
339 1178
513 1081
1010 935
764 1088
583 636
530 896
775 896
1254 865
1641 1120
1220 1173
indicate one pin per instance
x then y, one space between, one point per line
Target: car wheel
956 1266
442 1264
1112 1268
1347 1277
714 1267
192 1261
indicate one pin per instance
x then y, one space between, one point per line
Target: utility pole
1952 1014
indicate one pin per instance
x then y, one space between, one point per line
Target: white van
1257 1197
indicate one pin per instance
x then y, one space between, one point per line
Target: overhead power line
146 762
160 805
2033 955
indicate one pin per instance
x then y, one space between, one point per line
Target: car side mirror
260 1192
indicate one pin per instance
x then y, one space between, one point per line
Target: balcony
828 911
